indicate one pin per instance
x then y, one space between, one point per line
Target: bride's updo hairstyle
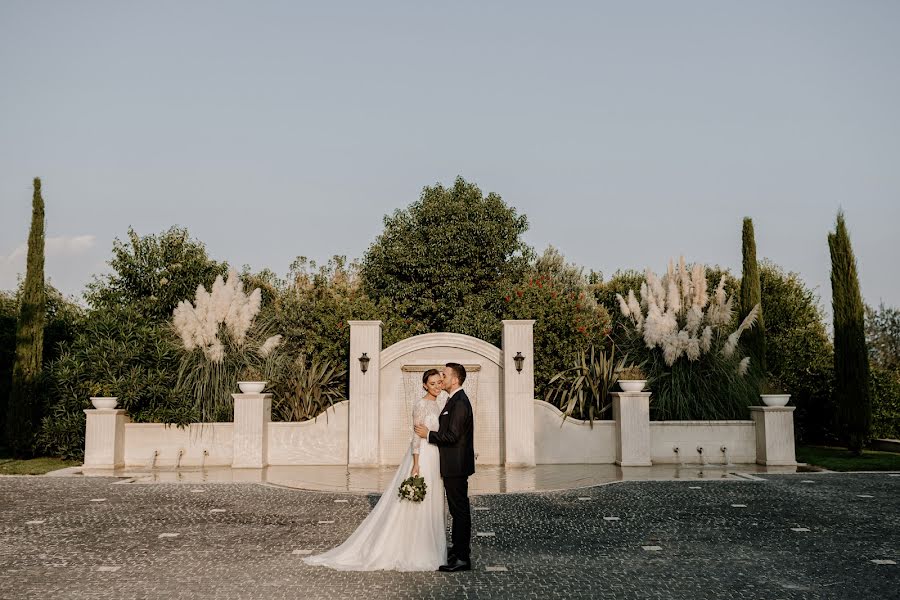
428 375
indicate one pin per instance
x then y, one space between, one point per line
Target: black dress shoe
456 564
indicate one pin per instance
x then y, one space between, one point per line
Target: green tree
851 359
29 337
444 252
153 273
60 327
9 314
883 336
754 340
798 350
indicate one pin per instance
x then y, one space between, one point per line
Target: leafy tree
851 359
883 336
29 337
447 250
313 310
153 273
799 352
753 340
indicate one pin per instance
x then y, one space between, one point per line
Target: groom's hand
422 431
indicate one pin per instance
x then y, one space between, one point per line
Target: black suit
454 439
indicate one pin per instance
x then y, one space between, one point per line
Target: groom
454 441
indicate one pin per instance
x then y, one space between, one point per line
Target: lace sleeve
418 418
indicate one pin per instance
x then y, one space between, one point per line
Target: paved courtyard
782 536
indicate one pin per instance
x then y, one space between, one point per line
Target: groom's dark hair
459 370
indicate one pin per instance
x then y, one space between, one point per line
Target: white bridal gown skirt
398 535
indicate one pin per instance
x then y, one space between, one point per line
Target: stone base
774 435
634 464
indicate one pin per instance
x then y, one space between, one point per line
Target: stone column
365 337
774 435
104 438
252 414
631 410
518 393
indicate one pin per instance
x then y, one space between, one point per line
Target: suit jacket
454 437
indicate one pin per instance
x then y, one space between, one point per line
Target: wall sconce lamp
519 361
364 362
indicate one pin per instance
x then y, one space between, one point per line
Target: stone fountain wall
373 427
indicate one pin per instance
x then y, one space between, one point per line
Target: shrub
582 392
885 403
119 348
307 388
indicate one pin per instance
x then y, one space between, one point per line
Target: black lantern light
364 362
519 361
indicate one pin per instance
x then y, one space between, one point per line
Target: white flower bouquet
413 489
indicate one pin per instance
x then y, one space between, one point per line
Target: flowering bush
693 362
221 339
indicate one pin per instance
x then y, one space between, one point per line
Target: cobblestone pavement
786 536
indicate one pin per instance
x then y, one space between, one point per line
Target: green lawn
33 466
839 459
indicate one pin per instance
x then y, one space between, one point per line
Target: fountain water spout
702 458
153 459
724 450
178 460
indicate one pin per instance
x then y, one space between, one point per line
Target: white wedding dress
401 535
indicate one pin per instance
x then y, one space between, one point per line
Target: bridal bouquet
413 489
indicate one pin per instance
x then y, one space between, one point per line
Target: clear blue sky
628 132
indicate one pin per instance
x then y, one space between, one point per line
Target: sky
628 132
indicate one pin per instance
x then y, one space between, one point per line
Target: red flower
508 298
519 293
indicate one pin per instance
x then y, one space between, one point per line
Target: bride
401 535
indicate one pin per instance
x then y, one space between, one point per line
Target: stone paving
783 536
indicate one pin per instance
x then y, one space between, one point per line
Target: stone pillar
252 414
104 438
631 410
774 435
518 393
365 337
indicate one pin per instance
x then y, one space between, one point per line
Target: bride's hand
415 471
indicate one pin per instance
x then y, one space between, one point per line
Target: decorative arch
451 340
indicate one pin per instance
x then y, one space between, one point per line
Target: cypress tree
751 294
29 337
851 360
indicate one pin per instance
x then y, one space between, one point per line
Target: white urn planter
632 385
775 399
104 402
252 387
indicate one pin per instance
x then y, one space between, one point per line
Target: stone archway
502 392
402 366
